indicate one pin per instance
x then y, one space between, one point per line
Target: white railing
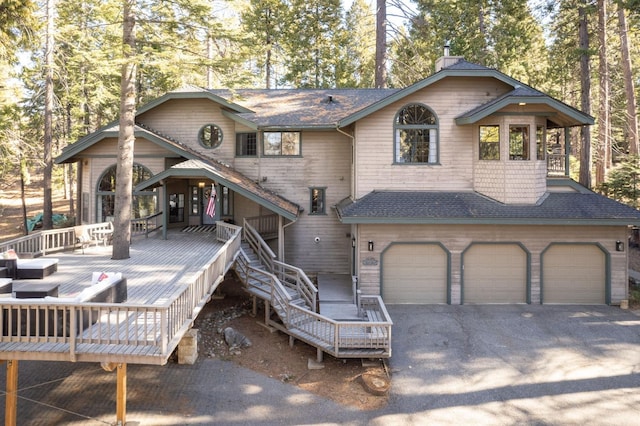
146 225
42 242
147 330
342 339
259 246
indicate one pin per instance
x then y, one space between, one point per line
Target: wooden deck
168 282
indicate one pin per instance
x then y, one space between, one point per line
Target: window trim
526 142
323 191
397 128
480 142
245 134
201 136
281 132
541 143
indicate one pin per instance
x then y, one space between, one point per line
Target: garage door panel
414 273
574 273
495 273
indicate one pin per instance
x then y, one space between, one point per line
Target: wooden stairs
291 306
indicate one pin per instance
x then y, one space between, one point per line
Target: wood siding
375 168
457 238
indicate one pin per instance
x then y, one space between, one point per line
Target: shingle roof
301 108
565 208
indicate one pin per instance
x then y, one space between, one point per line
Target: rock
235 339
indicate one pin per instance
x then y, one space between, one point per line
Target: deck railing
40 243
146 225
556 164
89 330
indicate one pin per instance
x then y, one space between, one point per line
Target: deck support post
319 355
11 398
254 308
121 394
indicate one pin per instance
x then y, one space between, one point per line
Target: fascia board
191 95
488 221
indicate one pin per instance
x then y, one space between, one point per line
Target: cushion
10 254
36 263
51 299
98 277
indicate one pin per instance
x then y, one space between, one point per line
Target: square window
281 143
246 145
317 200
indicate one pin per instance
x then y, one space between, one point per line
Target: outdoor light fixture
370 245
619 246
200 184
353 242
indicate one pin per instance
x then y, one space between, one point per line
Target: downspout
354 240
281 228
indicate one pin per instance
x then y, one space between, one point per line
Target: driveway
490 364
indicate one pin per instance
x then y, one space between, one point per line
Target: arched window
416 135
144 202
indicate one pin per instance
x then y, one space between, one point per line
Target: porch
168 282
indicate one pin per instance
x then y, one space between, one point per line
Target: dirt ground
271 355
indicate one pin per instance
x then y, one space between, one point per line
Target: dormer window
416 135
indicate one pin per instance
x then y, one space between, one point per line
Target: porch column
567 150
280 238
165 213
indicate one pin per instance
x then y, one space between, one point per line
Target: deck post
319 355
121 394
11 398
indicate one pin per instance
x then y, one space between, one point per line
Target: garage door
495 273
573 274
414 273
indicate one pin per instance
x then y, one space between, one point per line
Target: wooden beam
11 399
121 394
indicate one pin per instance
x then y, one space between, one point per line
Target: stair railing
295 278
259 246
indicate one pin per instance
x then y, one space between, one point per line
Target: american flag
211 207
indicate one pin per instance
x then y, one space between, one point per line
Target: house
452 190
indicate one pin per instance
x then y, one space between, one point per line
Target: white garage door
495 273
574 274
414 273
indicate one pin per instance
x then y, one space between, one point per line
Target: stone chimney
446 60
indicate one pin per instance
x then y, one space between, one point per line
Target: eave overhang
70 153
573 117
192 93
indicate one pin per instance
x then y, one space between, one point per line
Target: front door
210 207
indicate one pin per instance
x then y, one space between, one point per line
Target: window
317 200
281 143
541 142
176 208
210 136
143 204
246 145
489 142
416 135
518 142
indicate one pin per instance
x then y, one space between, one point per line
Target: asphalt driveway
491 364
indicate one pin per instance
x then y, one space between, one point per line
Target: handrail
259 246
146 225
42 242
158 327
294 277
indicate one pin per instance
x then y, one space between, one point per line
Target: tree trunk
47 208
126 138
629 89
603 160
585 94
381 45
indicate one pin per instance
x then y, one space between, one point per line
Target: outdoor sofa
37 268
